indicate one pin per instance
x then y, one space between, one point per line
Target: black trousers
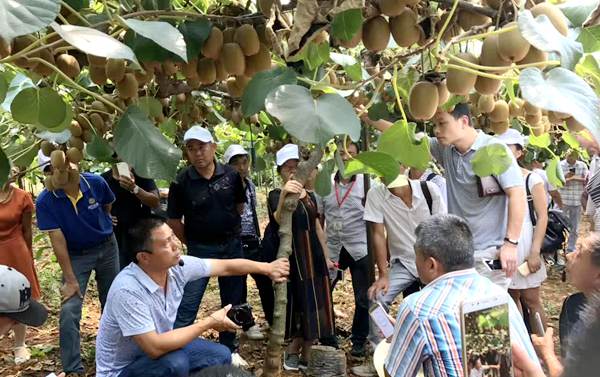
359 270
263 283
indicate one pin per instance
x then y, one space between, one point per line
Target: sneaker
560 260
358 349
254 333
291 361
302 365
22 354
238 361
365 370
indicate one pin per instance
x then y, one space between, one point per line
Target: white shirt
400 222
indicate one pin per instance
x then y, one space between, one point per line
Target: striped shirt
572 190
427 331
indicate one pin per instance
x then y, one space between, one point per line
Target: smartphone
123 169
572 170
524 269
493 264
485 332
539 324
382 320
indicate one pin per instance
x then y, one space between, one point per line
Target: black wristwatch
512 242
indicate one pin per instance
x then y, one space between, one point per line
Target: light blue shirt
487 216
137 305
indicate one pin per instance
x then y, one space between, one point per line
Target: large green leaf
42 107
570 140
346 24
139 143
99 149
350 64
262 83
562 91
3 88
195 34
380 164
17 84
63 125
146 50
151 106
589 69
542 141
543 35
26 152
4 168
590 38
26 16
163 33
492 159
94 42
78 4
323 180
312 120
399 142
577 11
554 172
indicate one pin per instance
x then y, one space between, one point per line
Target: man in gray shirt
496 221
136 336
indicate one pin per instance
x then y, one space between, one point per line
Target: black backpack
557 231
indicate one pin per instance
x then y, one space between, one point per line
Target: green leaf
151 106
563 91
4 168
156 4
195 34
346 24
590 38
379 110
589 69
349 63
42 107
99 149
24 161
577 11
26 16
453 101
543 35
17 84
323 180
3 88
492 159
147 50
570 140
377 163
354 71
169 128
94 42
63 126
554 173
253 99
312 120
139 143
78 4
316 54
399 142
542 141
163 33
259 164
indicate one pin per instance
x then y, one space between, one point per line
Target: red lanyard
337 193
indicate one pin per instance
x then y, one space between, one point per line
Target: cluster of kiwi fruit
61 158
425 97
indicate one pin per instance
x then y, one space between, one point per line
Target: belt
83 251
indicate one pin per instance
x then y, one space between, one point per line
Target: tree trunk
272 366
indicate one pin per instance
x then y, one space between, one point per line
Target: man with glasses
205 203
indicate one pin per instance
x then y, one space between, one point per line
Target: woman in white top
527 285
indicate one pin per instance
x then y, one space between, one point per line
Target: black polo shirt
208 206
127 207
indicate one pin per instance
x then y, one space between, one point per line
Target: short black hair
141 235
460 110
582 360
221 371
234 159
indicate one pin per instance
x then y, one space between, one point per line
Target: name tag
93 206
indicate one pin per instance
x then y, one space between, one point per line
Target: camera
241 315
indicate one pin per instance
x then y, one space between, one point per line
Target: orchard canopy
85 79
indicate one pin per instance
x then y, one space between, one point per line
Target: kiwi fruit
143 77
511 45
98 107
74 155
190 69
115 70
553 118
485 85
247 38
5 48
555 15
489 54
228 35
443 93
534 56
58 159
19 44
573 125
352 42
467 19
74 177
98 75
195 113
98 61
485 104
48 184
213 44
258 62
221 71
97 122
76 142
376 34
516 107
60 178
83 121
75 129
169 68
233 59
128 87
459 82
391 8
423 100
47 148
87 136
68 65
404 28
530 109
500 111
42 69
533 118
207 72
236 86
499 127
538 128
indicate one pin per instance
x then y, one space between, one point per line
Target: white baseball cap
198 133
15 298
512 137
233 150
43 160
287 152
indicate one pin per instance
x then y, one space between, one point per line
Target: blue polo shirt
85 224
